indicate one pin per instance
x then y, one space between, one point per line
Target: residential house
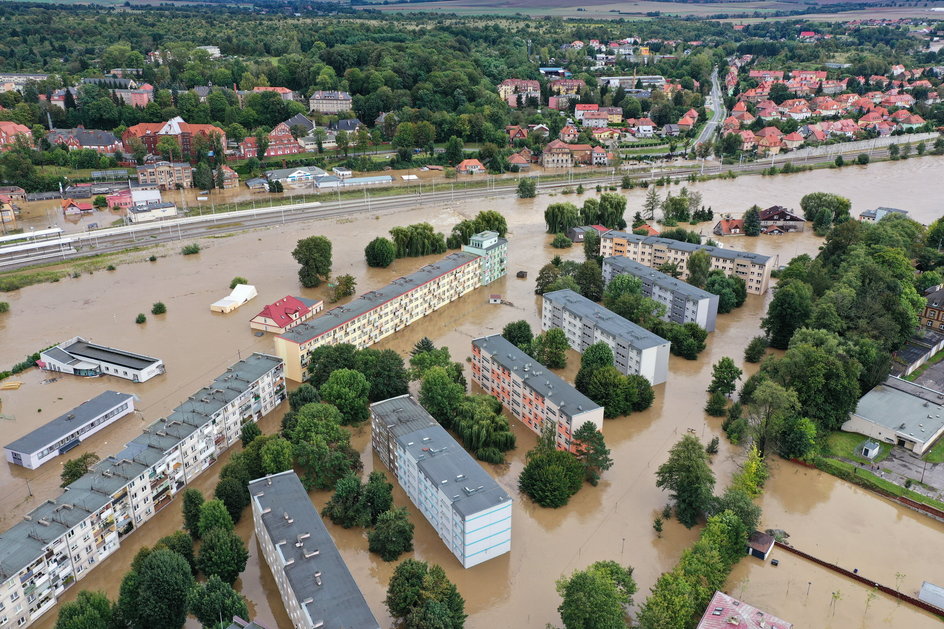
644 128
567 86
151 212
230 177
517 92
283 92
103 142
729 227
685 124
600 156
470 167
583 108
348 125
302 121
726 612
614 114
329 102
569 134
577 234
748 140
12 132
793 140
300 174
519 163
184 133
280 142
13 193
595 119
515 132
71 207
166 175
874 216
782 218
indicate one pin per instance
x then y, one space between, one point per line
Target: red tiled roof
281 311
726 612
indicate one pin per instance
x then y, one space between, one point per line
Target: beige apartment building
378 314
166 175
653 251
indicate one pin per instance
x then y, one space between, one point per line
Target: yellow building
653 251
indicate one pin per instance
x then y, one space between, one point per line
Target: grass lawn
871 479
914 375
846 444
936 455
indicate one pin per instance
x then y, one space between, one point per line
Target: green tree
234 496
347 506
420 596
717 404
592 452
770 404
596 598
518 333
214 515
100 202
561 241
698 265
441 395
380 252
591 245
824 209
203 176
392 536
74 469
377 496
348 390
276 455
687 475
546 277
182 544
594 357
454 152
385 371
651 204
741 505
752 222
527 188
248 432
89 610
560 217
756 349
314 256
214 600
752 475
550 348
222 554
589 278
153 594
724 375
789 311
344 286
551 477
608 388
193 501
797 438
305 394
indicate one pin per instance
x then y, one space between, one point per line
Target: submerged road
717 110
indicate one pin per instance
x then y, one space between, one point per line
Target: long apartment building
636 350
80 357
469 510
378 314
315 584
536 396
60 541
654 251
683 302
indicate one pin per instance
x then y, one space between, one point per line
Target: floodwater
824 516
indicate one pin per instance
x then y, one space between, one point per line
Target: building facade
60 541
314 583
378 314
636 350
325 102
81 358
493 250
900 413
654 251
183 133
166 175
469 510
68 430
932 316
683 302
285 314
536 396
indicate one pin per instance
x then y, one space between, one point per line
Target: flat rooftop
717 252
904 407
322 579
623 265
448 466
100 353
606 320
67 423
340 315
538 377
402 415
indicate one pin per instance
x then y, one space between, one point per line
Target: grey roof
880 212
239 623
322 579
717 252
933 594
349 124
368 301
606 320
904 407
622 265
543 381
85 137
139 209
66 423
84 349
330 95
308 302
300 120
448 466
202 90
163 164
282 173
402 414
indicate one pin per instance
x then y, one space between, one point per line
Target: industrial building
900 413
79 357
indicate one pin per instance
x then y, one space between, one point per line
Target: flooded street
823 515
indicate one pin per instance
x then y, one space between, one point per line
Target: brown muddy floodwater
824 516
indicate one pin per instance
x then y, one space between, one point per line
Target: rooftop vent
313 553
318 578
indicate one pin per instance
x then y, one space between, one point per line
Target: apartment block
683 302
378 314
469 510
536 396
636 350
494 252
654 251
57 543
166 175
79 357
315 584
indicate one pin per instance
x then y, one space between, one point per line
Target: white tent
240 295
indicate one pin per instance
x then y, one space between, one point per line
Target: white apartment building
494 252
683 302
316 587
69 429
79 357
57 543
469 510
636 350
378 314
654 251
535 395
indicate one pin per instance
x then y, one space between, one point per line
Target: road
717 110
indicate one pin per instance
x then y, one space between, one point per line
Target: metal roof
908 409
592 313
54 430
317 573
933 594
83 349
538 377
340 315
623 265
402 415
717 252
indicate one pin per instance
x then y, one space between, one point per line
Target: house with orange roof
10 132
71 207
569 133
606 134
599 156
470 167
793 140
582 108
685 123
748 140
729 227
644 128
150 133
283 92
515 132
731 124
769 144
518 162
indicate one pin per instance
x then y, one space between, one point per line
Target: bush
158 308
4 306
755 349
527 189
839 161
862 159
189 250
237 281
561 242
153 258
380 252
140 318
110 267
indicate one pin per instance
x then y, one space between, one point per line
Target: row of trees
608 211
